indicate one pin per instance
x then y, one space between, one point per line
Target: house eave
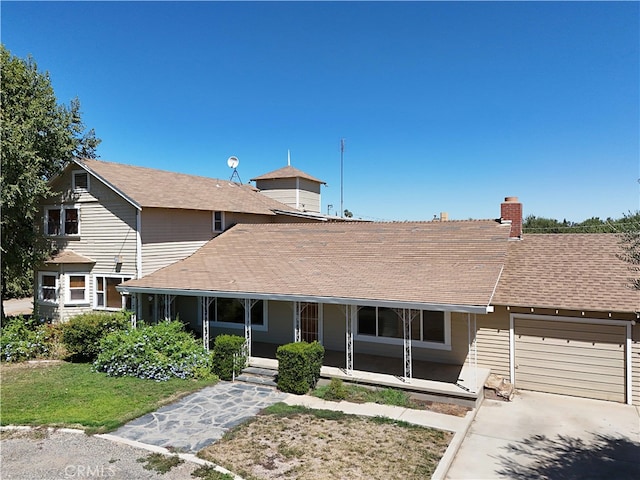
446 307
78 162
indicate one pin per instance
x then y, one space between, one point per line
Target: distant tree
348 214
630 244
533 224
39 137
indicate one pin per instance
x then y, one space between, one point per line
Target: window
218 221
77 289
231 311
431 328
48 287
106 295
63 220
80 181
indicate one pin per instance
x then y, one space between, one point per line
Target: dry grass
311 445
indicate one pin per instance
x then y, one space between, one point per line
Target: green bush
229 356
299 366
335 390
158 352
22 339
82 334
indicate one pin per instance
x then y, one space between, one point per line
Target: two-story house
112 222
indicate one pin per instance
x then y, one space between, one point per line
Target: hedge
229 356
299 366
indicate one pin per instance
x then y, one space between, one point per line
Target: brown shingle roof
455 263
287 172
148 187
68 256
572 271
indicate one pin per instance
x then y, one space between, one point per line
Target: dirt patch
440 407
306 447
29 364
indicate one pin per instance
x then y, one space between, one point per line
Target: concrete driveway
543 436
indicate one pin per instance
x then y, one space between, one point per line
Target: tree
630 243
39 137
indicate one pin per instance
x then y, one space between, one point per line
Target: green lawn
71 395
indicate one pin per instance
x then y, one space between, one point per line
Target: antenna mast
341 177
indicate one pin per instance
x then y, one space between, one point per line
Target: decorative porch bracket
473 349
248 305
205 303
297 331
168 301
350 313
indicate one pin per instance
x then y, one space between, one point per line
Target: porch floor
439 380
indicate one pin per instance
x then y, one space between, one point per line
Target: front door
309 322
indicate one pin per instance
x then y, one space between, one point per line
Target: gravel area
41 454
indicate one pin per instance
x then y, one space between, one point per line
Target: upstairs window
80 181
218 221
62 220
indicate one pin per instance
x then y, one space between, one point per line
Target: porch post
473 351
248 305
297 335
205 303
134 309
349 313
406 322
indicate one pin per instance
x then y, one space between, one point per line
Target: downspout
138 310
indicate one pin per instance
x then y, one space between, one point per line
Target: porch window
77 289
230 311
106 295
62 220
48 287
429 328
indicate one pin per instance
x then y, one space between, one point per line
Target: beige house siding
492 342
169 235
635 364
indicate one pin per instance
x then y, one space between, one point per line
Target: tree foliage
533 224
39 137
630 243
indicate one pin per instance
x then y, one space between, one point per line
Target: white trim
439 307
67 289
95 290
56 287
73 180
138 243
597 321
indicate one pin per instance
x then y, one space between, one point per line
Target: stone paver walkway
201 418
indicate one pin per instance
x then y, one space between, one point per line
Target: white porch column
168 301
408 364
350 312
473 350
205 303
248 305
134 309
297 333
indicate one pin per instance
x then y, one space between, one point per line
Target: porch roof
444 265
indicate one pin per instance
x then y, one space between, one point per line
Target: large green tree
39 137
630 243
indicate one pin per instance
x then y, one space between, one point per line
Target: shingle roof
287 172
569 271
148 187
68 256
445 263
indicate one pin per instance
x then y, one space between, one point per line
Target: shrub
82 333
22 339
157 352
299 366
335 390
229 356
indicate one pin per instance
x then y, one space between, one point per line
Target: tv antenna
233 162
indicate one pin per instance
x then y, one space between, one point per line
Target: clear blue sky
444 106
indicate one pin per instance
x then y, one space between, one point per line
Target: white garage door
570 358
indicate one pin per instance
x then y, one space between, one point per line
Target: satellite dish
233 162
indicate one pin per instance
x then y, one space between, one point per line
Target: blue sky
443 106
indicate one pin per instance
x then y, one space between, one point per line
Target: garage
578 358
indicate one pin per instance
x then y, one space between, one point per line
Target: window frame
56 288
73 181
221 221
67 289
104 276
213 319
62 224
377 338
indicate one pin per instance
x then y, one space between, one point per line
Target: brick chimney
511 209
